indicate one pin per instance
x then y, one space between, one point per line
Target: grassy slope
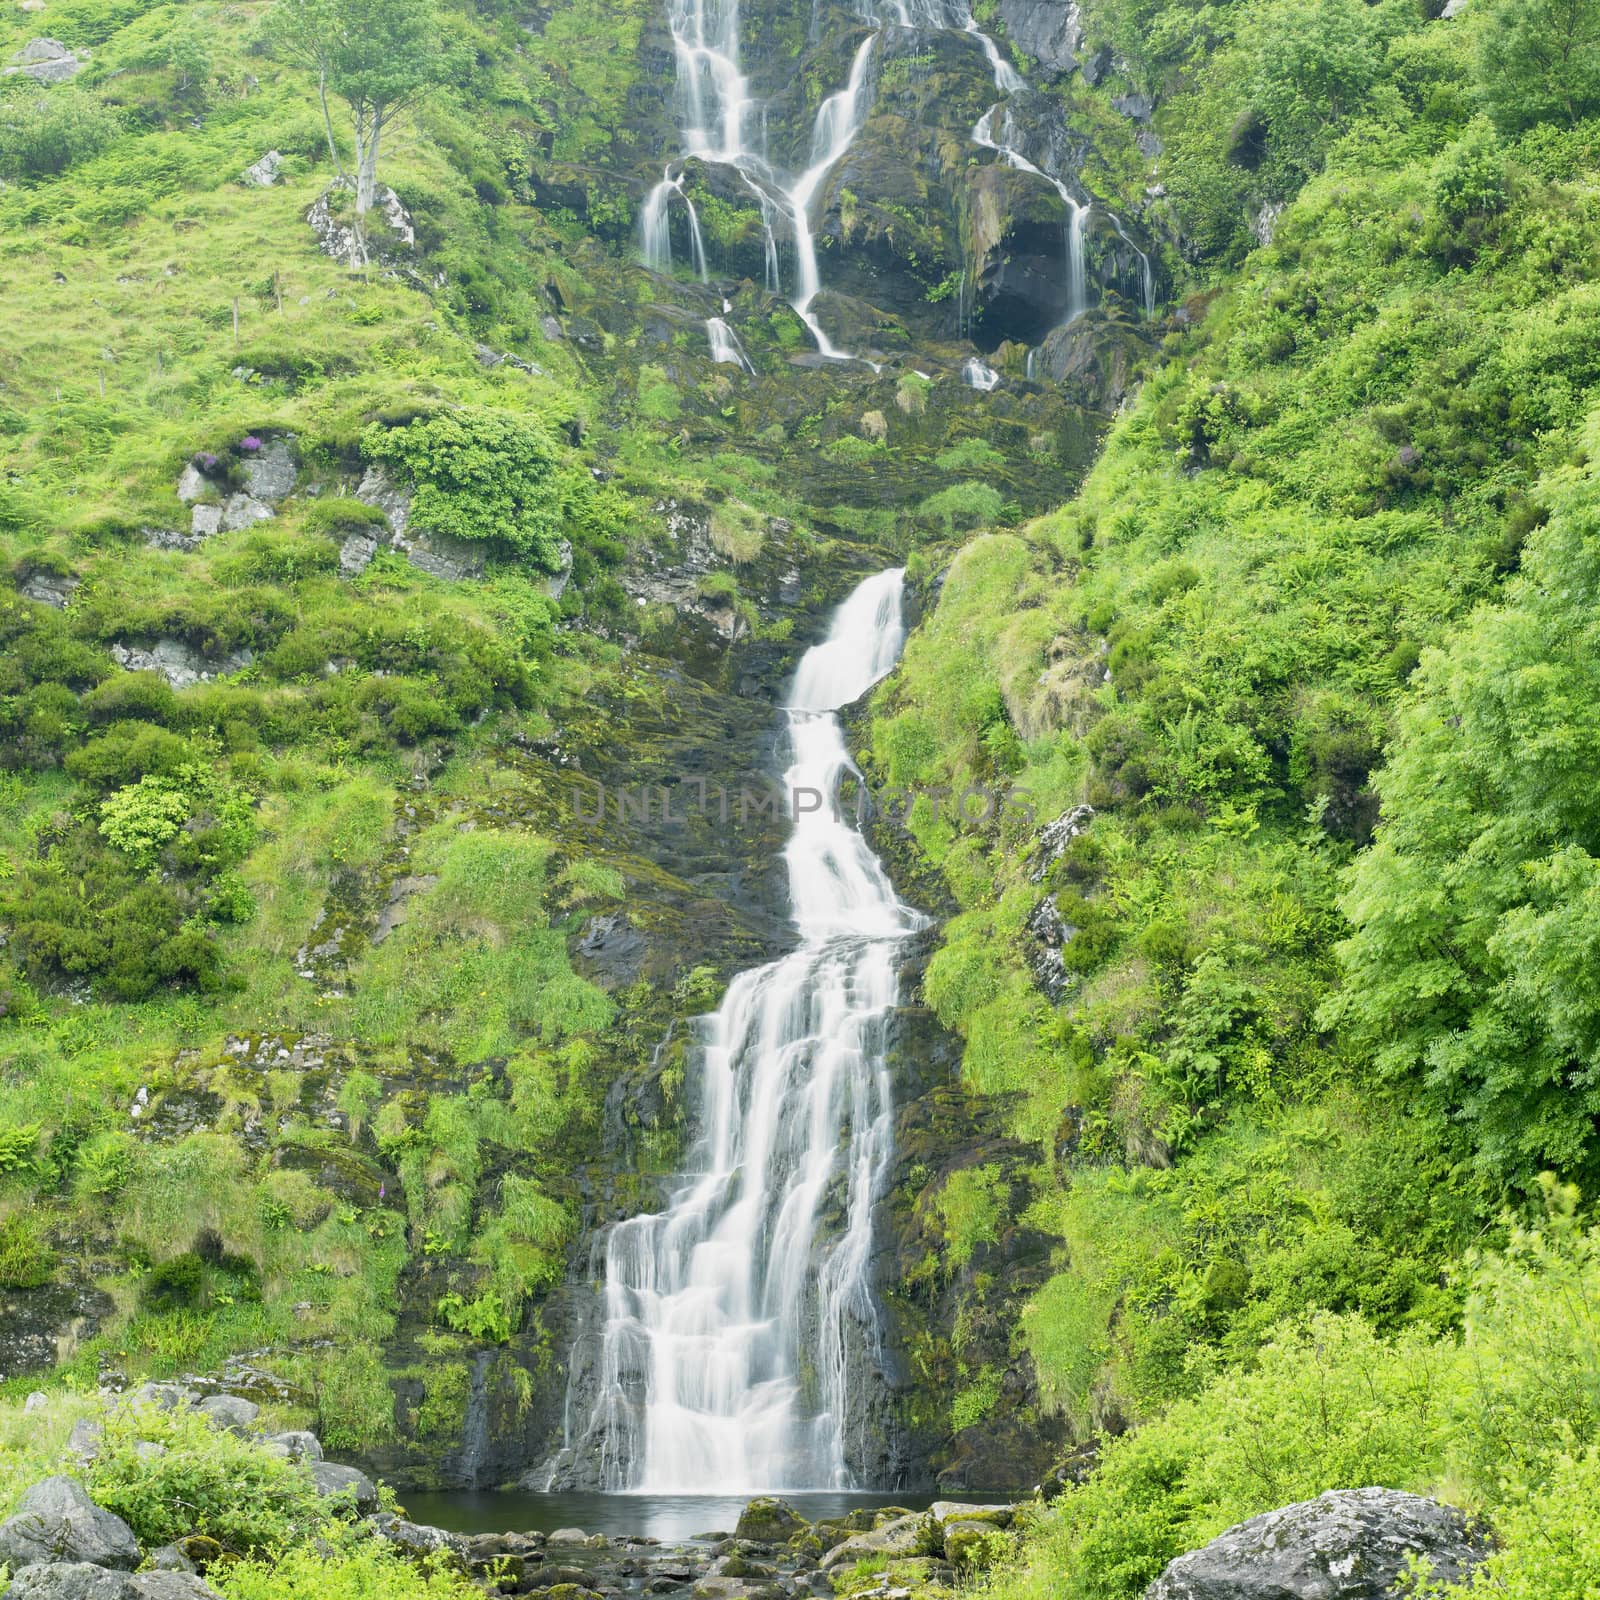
121 279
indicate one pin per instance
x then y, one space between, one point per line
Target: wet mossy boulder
769 1520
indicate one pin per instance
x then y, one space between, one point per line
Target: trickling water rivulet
730 1315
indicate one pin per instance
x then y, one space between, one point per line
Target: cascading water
715 109
978 374
839 119
988 133
714 105
730 1315
656 227
725 346
985 134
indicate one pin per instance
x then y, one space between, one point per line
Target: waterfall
977 374
715 113
989 137
839 119
656 227
730 1316
992 137
714 106
725 346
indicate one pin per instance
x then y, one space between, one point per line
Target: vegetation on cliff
304 1040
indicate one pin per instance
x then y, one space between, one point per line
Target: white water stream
715 110
730 1314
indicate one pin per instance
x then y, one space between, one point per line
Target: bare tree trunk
367 161
327 122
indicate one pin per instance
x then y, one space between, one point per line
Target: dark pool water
670 1518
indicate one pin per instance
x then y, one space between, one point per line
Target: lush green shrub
44 133
1469 970
341 1567
205 1481
479 474
1539 61
336 515
177 1281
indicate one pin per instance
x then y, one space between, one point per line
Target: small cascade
977 374
735 1317
725 346
714 112
986 135
839 119
656 228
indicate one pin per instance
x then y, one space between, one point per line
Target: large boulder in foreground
770 1521
1348 1544
56 1521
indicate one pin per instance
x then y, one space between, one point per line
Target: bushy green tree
1539 61
1315 61
43 134
378 56
1477 911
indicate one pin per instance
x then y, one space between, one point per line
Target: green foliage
1329 1405
1539 61
26 1258
1550 1540
1314 61
44 132
971 1203
480 474
484 1318
1469 968
206 1481
963 507
340 1566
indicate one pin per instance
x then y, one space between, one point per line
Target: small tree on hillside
1539 61
378 56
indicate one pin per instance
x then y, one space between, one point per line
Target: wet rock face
1348 1544
1050 31
42 1326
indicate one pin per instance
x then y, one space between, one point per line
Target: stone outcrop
1051 31
180 664
46 61
56 1521
264 173
1348 1544
386 233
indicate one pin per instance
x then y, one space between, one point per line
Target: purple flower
249 442
207 461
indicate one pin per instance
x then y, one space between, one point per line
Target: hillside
388 589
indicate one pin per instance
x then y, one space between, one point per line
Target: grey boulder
70 1580
270 472
56 1521
297 1445
168 1586
230 1412
263 174
333 1479
46 61
910 1535
1347 1544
